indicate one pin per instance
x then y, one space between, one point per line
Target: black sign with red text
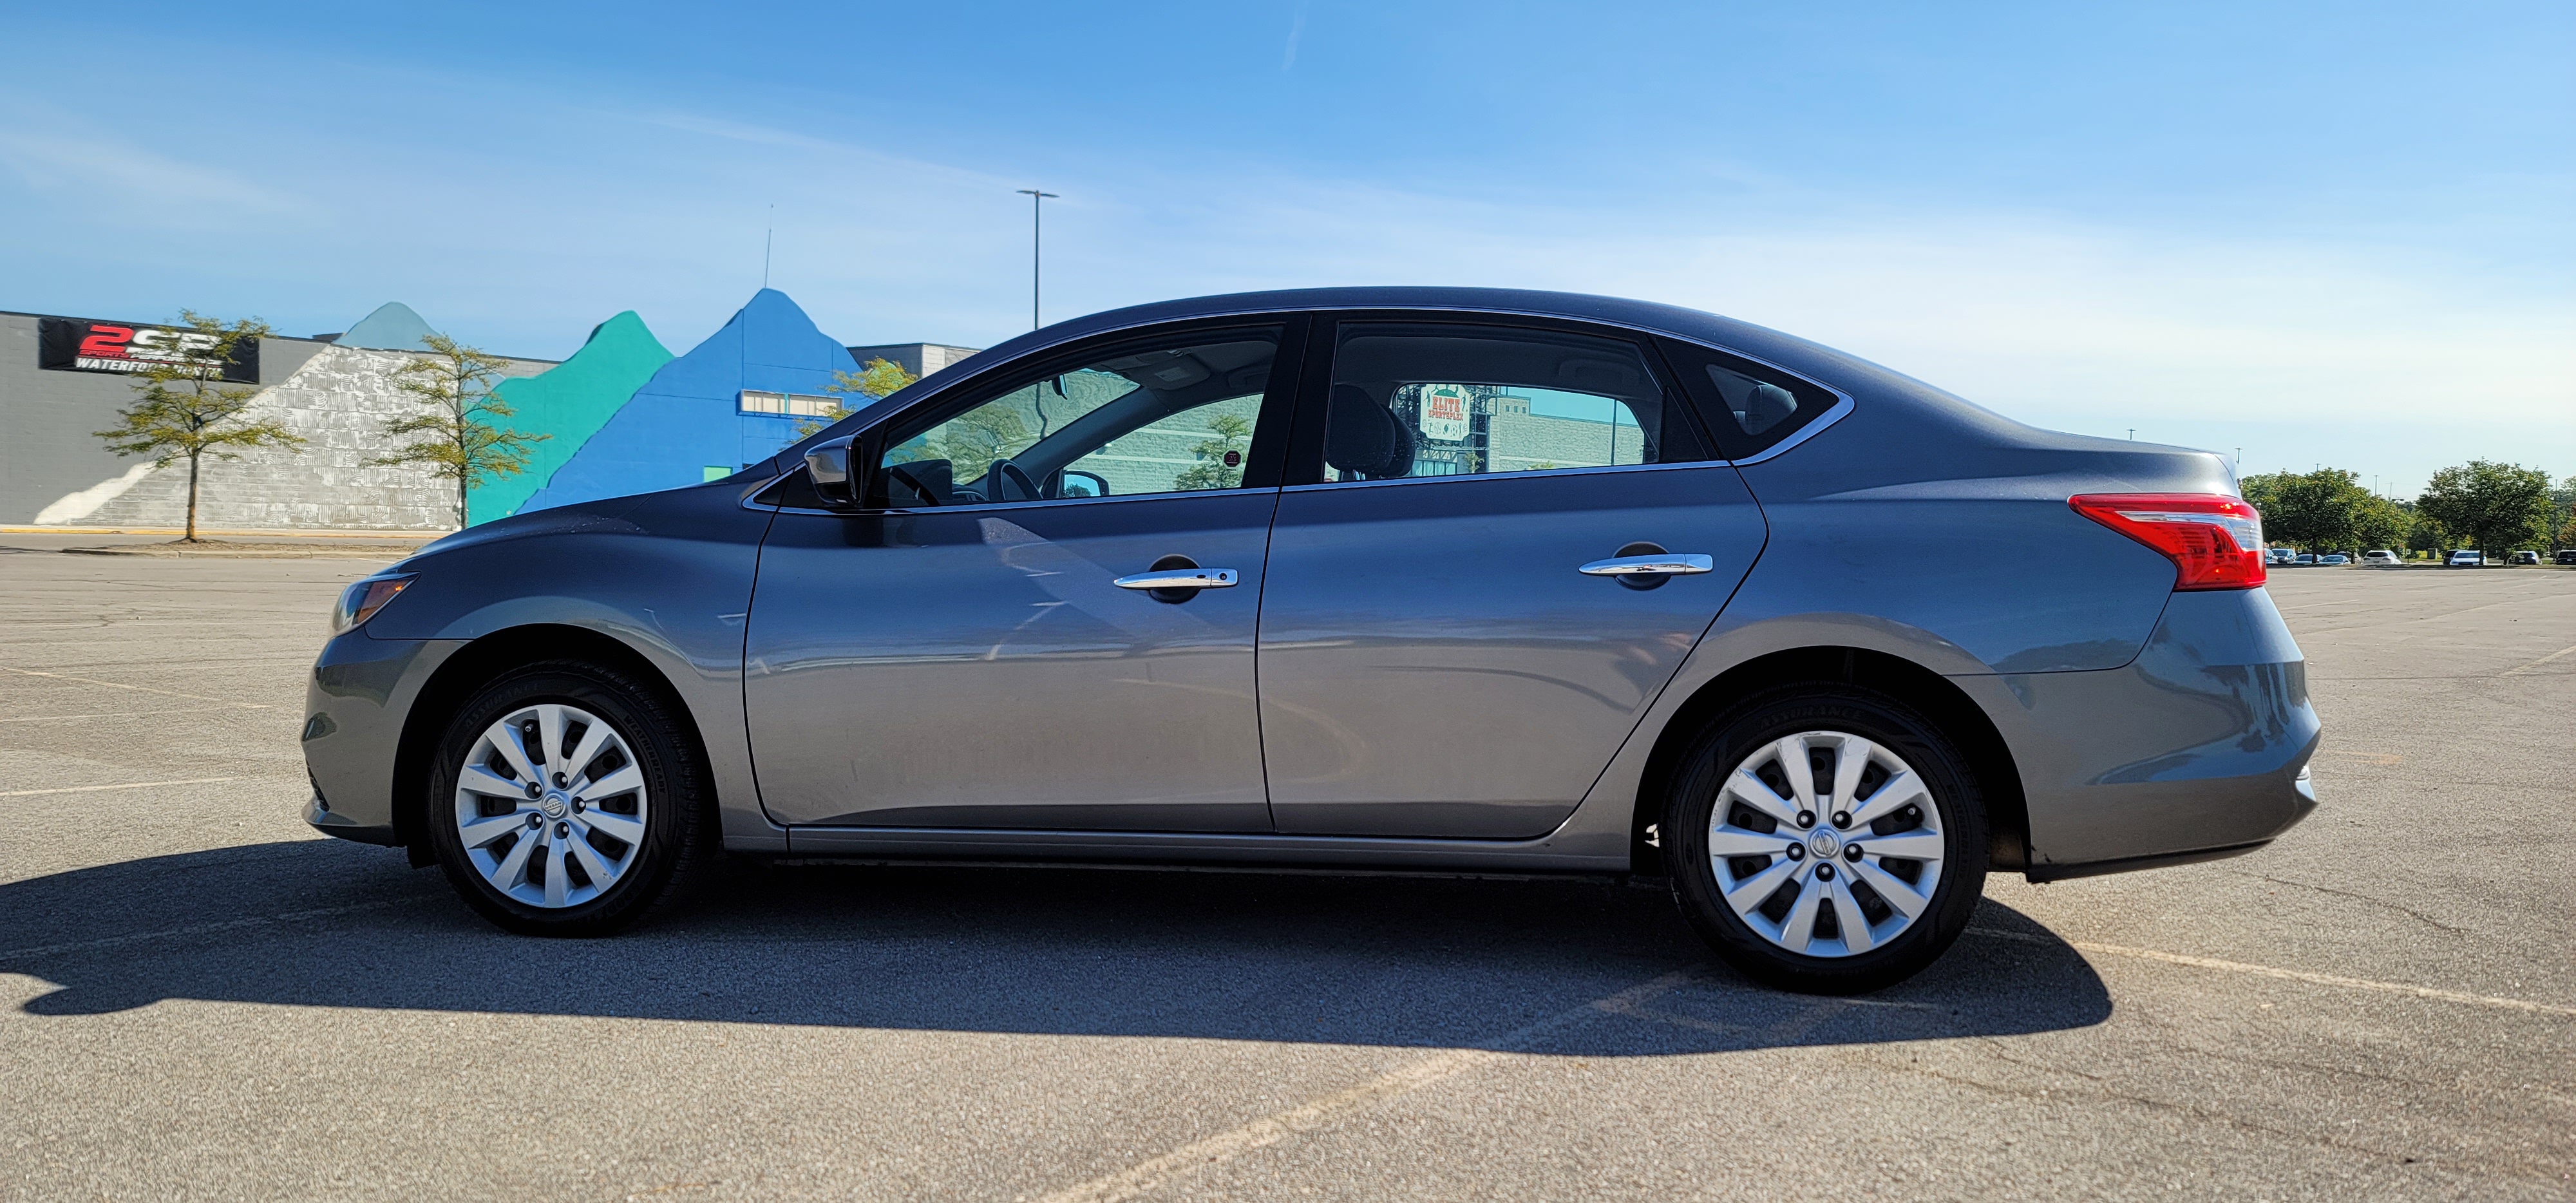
67 344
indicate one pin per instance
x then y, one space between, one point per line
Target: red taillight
2215 541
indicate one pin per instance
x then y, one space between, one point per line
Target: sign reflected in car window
1415 400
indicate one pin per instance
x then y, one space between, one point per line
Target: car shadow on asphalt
1416 962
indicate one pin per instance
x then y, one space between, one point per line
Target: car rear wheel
567 799
1826 839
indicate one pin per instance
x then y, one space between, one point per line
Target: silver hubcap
550 805
1826 844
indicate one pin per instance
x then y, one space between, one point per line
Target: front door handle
1663 564
1186 578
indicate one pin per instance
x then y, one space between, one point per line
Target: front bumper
356 703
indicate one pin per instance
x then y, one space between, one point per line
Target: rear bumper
2196 749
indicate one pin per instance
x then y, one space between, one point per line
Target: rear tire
597 845
1785 893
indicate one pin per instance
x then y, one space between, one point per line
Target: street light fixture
1037 200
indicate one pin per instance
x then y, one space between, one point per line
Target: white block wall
341 402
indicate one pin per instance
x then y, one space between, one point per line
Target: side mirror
1078 483
828 463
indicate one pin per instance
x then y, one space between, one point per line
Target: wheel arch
1935 696
478 663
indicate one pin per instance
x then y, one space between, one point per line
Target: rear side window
1434 399
1748 406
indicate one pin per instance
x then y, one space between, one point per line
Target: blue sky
2323 233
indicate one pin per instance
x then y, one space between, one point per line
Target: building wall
920 359
47 449
340 401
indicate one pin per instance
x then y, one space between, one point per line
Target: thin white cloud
102 169
1296 30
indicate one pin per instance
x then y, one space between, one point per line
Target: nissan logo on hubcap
554 806
1822 844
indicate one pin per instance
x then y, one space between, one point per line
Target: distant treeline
2481 504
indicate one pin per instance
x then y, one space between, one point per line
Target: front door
1459 625
981 647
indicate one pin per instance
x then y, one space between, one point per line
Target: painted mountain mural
687 424
569 403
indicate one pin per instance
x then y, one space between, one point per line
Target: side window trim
1305 458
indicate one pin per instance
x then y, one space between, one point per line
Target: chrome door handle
1666 564
1181 578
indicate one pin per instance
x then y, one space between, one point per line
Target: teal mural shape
569 403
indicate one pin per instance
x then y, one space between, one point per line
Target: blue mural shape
687 424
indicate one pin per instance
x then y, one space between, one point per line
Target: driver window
1158 419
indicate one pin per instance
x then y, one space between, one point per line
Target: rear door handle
1187 578
1665 564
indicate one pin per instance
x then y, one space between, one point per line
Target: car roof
1787 350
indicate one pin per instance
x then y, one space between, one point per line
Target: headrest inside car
1361 438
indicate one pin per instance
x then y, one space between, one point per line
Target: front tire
568 799
1825 839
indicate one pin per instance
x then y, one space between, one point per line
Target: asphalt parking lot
199 997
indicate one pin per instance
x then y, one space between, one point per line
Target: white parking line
64 718
92 789
2515 672
2291 975
1278 1126
194 697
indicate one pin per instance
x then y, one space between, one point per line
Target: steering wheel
912 482
1015 475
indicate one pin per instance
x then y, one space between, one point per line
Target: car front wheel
567 799
1826 839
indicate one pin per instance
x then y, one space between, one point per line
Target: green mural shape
569 402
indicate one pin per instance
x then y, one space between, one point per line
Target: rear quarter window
1749 407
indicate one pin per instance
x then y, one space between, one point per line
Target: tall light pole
1037 233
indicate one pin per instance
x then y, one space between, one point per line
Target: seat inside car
1363 438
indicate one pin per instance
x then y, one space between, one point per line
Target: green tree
878 378
2487 505
185 413
459 439
1212 471
2425 535
2379 522
2324 510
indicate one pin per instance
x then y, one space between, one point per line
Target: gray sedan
1387 578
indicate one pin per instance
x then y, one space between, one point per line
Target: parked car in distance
2466 559
2306 560
2280 555
2564 555
2379 557
2332 558
2523 557
1535 583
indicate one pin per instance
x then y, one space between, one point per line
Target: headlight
359 602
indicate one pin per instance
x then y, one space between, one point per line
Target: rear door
1450 643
